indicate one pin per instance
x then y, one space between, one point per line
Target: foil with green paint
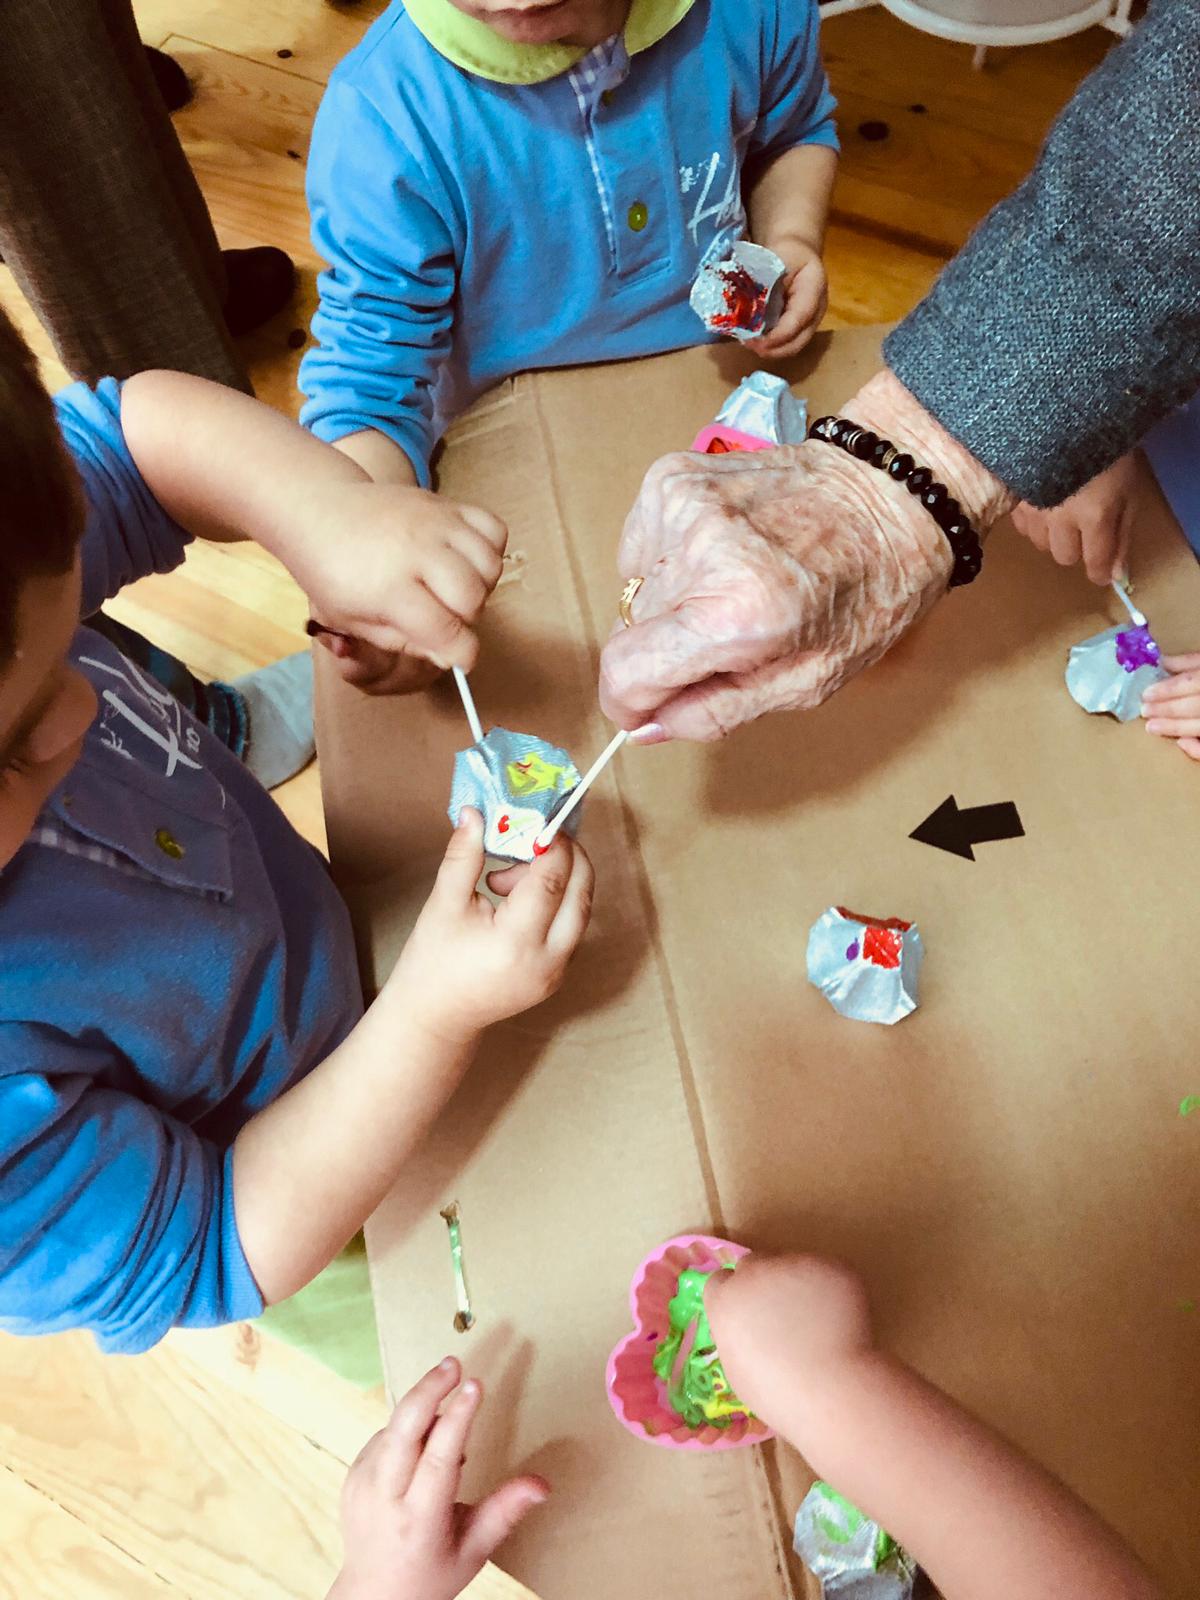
687 1363
853 1557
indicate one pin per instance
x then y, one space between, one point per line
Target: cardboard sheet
1008 1167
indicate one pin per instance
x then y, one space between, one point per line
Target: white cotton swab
546 838
1122 594
464 689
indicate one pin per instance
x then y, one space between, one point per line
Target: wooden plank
317 33
49 1554
223 1502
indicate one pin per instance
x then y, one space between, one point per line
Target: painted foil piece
764 407
853 1557
866 967
518 782
742 294
1112 670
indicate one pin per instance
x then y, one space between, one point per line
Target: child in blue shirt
504 187
195 1115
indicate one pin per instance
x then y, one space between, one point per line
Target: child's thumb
463 861
490 1523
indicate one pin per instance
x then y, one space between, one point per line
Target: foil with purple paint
518 782
850 1556
1112 670
764 406
866 967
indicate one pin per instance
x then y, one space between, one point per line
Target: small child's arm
406 1535
790 170
399 568
310 1169
383 324
984 1521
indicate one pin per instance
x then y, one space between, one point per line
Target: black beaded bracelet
866 446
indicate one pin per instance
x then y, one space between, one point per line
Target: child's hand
377 671
1094 526
468 963
400 570
406 1536
1172 707
806 296
780 1322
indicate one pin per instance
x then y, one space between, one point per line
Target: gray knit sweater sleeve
1070 321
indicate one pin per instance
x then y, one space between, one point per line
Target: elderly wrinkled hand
771 578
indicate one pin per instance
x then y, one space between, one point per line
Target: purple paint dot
852 951
1136 648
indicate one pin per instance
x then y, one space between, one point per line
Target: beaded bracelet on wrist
950 517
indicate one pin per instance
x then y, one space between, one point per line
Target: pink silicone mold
636 1394
733 438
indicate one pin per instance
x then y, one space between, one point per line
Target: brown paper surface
1007 1167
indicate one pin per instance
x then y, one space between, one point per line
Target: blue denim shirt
172 956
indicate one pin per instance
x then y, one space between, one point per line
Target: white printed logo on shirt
118 717
718 200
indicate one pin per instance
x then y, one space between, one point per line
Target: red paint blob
540 849
881 946
745 300
502 825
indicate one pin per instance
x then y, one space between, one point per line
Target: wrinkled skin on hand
770 580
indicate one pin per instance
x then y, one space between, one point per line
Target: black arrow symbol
956 831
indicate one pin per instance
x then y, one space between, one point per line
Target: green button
169 844
638 216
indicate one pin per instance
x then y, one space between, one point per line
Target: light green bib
473 46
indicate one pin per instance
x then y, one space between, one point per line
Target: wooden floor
210 1469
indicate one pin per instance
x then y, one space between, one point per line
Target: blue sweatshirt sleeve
113 1216
797 105
384 319
127 533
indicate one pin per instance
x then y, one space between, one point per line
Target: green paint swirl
697 1387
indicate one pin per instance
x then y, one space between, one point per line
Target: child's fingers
414 1415
1185 663
1168 691
451 578
1066 541
487 561
1190 747
505 879
489 1524
1176 726
434 1486
570 922
532 906
483 522
463 861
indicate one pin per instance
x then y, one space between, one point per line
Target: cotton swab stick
464 689
464 1317
1122 593
546 838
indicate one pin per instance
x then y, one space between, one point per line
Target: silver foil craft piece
518 782
742 293
1112 670
851 1556
866 967
764 406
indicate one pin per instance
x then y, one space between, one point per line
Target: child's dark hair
41 504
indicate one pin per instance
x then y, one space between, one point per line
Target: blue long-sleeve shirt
475 229
172 957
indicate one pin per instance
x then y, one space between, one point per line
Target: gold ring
628 596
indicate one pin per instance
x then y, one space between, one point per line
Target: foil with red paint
866 967
518 782
741 293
